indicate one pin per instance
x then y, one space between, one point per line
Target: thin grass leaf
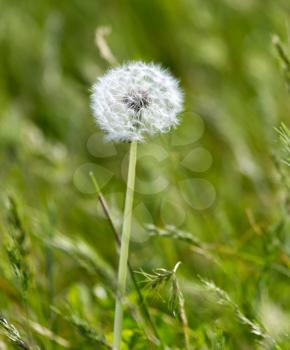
172 232
284 135
83 327
86 256
224 299
11 332
16 245
47 333
284 58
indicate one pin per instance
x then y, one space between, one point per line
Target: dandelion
135 100
128 103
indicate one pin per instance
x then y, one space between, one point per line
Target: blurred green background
216 176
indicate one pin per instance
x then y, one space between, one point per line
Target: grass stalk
183 316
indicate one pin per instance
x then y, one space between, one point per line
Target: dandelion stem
142 303
126 231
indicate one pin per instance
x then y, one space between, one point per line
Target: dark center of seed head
137 100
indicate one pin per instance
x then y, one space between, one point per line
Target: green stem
183 317
142 303
126 231
182 313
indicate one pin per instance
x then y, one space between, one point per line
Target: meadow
210 248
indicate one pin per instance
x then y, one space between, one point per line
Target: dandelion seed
135 100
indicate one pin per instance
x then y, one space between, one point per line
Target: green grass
213 194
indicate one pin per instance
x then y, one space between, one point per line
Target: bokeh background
218 176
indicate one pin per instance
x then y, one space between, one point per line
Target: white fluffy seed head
136 99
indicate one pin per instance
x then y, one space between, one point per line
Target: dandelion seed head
135 100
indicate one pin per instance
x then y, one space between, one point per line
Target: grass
214 194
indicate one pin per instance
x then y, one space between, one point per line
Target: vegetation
209 264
